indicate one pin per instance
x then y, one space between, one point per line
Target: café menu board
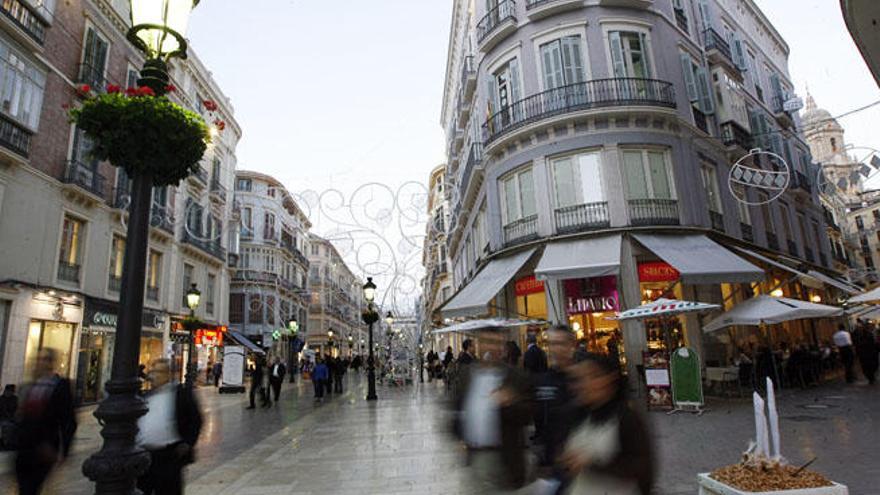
657 380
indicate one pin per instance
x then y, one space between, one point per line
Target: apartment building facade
591 141
335 325
63 214
437 284
270 283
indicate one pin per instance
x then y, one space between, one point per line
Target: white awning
582 258
840 284
870 296
474 298
701 260
487 324
771 261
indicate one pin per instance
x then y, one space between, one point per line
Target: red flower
112 88
85 89
219 124
65 106
131 92
210 105
145 91
170 88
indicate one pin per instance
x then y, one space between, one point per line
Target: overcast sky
335 94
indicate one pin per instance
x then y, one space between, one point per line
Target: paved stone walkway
399 444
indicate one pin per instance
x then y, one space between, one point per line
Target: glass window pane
563 177
527 194
591 178
59 336
636 183
659 175
511 212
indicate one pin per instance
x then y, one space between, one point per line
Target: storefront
660 279
208 340
98 338
590 305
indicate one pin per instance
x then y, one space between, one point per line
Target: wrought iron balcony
772 241
23 15
536 9
653 212
162 218
792 247
93 76
85 177
777 104
256 276
700 119
114 283
503 15
468 78
200 176
68 272
576 218
732 134
599 93
218 190
715 43
475 156
747 232
522 230
209 246
717 220
14 136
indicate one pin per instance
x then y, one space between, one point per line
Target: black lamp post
370 316
389 333
193 298
158 29
421 364
293 326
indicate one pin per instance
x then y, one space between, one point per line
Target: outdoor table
722 375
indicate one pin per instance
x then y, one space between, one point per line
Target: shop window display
591 305
49 335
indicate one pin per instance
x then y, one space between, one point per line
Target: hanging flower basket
143 133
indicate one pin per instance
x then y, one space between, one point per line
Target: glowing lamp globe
158 27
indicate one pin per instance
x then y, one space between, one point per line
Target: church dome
814 116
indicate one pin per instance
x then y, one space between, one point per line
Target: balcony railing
700 119
717 220
14 137
467 68
772 241
598 93
210 246
256 276
504 11
792 247
732 134
114 283
802 182
582 217
714 41
747 232
93 76
152 293
808 254
23 15
68 272
85 177
653 212
201 175
522 230
162 218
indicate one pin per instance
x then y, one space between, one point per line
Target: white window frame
25 70
646 165
83 246
579 192
709 178
547 36
609 25
515 176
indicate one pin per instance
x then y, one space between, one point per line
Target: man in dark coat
276 377
46 422
465 357
257 383
332 368
534 360
169 432
865 345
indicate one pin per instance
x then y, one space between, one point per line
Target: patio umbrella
872 295
766 309
487 324
665 307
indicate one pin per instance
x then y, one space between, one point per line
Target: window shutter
514 81
705 93
739 58
755 124
704 15
643 40
549 66
563 174
573 62
690 82
89 55
636 182
527 194
776 87
616 46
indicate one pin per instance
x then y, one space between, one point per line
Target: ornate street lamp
158 29
370 316
330 340
293 327
350 346
193 298
421 364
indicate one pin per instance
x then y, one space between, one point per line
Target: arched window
834 144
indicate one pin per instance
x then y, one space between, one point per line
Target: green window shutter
616 47
690 82
515 91
572 60
643 41
564 179
659 175
527 194
706 104
634 170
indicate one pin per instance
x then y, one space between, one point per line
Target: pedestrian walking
209 371
217 372
465 357
169 432
843 341
610 451
46 424
320 375
257 387
8 408
535 359
339 373
865 345
330 361
276 377
554 401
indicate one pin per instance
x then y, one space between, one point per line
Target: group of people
328 373
863 343
587 437
266 380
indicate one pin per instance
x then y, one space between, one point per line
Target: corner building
589 148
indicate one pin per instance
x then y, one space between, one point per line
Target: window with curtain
70 253
647 175
577 179
117 255
629 54
518 196
562 62
21 87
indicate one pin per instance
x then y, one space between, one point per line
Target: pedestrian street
400 444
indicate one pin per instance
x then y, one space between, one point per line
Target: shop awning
771 261
241 339
701 260
582 258
840 284
474 298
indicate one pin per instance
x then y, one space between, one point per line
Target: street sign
793 104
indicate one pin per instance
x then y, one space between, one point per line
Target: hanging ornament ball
762 171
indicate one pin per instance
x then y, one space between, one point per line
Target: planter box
709 486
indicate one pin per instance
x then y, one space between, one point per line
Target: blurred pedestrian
169 432
534 360
448 357
257 387
46 424
843 341
341 368
512 353
865 345
320 375
610 451
8 408
209 370
554 401
217 372
330 361
276 378
493 409
465 357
